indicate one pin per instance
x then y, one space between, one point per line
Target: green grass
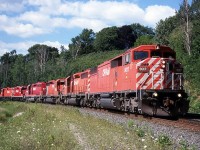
44 126
7 110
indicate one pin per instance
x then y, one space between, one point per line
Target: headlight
163 62
155 94
163 66
179 95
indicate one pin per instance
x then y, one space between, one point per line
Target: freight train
146 80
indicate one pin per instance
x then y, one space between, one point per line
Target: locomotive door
125 72
115 76
116 65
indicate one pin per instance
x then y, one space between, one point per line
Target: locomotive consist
146 80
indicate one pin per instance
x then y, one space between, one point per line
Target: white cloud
3 51
44 2
9 6
155 13
55 44
50 15
22 47
46 16
111 12
35 18
23 30
94 24
7 47
13 27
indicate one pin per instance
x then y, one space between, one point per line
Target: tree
187 27
87 39
83 43
164 28
195 19
107 39
7 61
140 30
65 53
75 47
144 40
126 37
41 54
18 71
176 43
194 10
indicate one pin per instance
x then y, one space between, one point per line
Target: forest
88 49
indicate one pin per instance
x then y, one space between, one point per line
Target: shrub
130 123
164 140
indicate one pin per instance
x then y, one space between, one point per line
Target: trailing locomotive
146 80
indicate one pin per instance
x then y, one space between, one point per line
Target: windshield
168 55
156 54
140 55
162 54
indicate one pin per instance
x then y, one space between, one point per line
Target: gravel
192 139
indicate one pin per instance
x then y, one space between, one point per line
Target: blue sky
24 23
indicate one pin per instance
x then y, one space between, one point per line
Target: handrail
162 76
139 108
180 84
140 86
152 73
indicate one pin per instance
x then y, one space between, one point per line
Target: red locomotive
35 92
146 79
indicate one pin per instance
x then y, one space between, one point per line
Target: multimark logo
106 72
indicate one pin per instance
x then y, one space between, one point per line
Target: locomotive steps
44 126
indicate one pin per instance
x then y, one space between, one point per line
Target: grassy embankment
43 126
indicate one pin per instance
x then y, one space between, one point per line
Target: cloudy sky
24 23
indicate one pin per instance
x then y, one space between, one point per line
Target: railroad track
185 123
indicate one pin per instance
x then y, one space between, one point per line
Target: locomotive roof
38 83
141 47
51 81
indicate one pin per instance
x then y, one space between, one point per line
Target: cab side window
127 59
140 55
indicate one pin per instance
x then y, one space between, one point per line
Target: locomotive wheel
98 103
122 105
57 101
82 102
62 102
94 104
154 109
87 103
66 102
38 100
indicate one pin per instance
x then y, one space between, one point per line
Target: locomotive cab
159 82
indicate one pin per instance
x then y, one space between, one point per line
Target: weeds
5 114
184 145
130 123
164 140
140 132
48 127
